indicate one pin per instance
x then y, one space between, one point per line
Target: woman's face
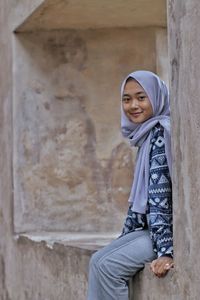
136 103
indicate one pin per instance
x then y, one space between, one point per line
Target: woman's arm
160 205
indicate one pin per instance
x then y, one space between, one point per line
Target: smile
135 114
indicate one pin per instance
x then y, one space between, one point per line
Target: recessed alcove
72 169
87 14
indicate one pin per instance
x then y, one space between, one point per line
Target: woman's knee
99 265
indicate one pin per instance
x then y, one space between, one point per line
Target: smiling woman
136 103
147 232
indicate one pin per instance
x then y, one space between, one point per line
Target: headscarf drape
139 135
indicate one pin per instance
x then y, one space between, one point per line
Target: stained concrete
162 67
70 161
22 10
184 48
146 286
57 272
33 74
78 14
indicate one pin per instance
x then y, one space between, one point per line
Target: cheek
149 109
124 107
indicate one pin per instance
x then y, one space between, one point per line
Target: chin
137 121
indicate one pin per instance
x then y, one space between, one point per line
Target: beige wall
6 209
56 110
72 169
184 37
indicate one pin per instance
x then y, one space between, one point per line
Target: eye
141 98
125 99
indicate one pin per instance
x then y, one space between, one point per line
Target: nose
134 103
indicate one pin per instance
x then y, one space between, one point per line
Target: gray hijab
139 135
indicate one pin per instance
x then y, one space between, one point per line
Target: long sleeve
134 221
160 197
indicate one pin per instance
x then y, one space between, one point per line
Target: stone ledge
146 286
61 259
55 265
88 241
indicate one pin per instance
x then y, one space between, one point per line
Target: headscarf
139 135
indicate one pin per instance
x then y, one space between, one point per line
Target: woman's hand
161 265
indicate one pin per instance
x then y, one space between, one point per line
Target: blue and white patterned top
159 212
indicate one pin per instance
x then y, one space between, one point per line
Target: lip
136 114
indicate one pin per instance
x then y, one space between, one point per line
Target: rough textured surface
145 286
162 54
95 14
71 165
6 220
21 10
184 22
32 269
57 272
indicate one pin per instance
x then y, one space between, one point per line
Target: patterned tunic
159 208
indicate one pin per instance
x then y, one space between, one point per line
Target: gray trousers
112 266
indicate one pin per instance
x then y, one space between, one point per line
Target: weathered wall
6 209
184 23
35 126
40 272
162 58
21 11
88 14
145 286
71 166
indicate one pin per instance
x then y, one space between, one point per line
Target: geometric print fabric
160 196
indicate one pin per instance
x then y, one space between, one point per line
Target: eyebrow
138 93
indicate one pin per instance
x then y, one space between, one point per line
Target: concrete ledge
146 286
88 241
55 266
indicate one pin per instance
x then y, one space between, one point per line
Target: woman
147 232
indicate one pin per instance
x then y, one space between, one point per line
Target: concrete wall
78 14
6 210
184 48
144 286
71 166
43 272
42 77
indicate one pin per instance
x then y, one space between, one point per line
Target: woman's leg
112 266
